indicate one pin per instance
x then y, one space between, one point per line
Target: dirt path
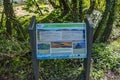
111 76
20 12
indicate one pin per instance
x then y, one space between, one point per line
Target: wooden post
32 32
87 61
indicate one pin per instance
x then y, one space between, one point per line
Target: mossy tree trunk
9 12
65 8
81 15
102 23
75 10
92 6
11 21
108 29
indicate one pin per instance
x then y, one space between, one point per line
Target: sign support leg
32 31
87 61
36 69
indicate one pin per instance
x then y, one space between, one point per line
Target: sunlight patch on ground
20 12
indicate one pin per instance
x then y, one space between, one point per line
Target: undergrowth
104 57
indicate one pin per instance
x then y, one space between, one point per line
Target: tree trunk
92 6
8 7
53 4
12 21
65 7
75 10
108 29
102 23
81 15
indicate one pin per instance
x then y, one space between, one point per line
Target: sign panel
61 40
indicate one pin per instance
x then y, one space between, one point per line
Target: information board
61 40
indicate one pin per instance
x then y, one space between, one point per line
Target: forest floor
109 75
19 10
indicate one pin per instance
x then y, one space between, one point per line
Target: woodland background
15 54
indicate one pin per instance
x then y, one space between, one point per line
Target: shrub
104 58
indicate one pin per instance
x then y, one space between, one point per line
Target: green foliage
104 58
14 63
86 4
19 68
33 6
100 5
13 46
60 69
96 74
25 22
52 17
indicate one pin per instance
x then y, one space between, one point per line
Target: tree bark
65 7
108 29
12 21
53 4
81 15
8 7
102 23
75 10
92 6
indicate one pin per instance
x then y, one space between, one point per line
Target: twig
38 7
